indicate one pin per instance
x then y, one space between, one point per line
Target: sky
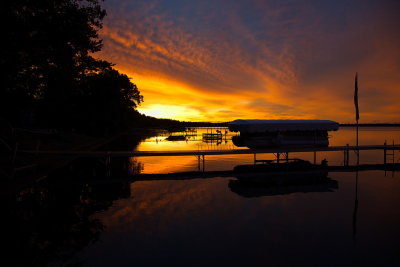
221 60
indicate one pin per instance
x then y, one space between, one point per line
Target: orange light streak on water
345 135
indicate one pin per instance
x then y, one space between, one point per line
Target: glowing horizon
220 61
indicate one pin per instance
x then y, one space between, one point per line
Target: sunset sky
222 60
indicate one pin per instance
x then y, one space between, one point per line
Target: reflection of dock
212 136
182 135
282 184
176 138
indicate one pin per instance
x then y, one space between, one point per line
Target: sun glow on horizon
171 112
301 68
167 99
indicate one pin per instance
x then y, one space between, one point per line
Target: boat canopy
258 126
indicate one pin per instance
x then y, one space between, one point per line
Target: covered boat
281 133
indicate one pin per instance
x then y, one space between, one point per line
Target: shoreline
369 125
29 170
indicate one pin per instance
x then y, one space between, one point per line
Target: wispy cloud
221 60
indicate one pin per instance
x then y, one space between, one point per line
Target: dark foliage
106 101
49 78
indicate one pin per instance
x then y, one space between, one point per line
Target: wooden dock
388 153
113 154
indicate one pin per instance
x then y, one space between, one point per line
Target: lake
342 137
342 219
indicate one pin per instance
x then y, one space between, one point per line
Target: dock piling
315 157
346 156
203 163
384 153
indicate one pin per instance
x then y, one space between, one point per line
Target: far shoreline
226 124
369 125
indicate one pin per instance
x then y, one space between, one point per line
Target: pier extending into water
280 153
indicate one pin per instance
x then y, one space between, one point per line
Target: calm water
348 219
346 135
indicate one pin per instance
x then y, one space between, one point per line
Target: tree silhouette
107 100
46 61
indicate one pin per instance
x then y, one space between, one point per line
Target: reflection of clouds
174 203
285 54
345 135
194 142
168 164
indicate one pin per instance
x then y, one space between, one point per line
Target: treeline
370 124
50 78
174 124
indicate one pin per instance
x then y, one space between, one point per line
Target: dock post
198 162
203 163
346 156
255 158
384 153
315 157
277 157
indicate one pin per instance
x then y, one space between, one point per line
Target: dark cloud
294 57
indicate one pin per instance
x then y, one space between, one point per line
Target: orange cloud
258 59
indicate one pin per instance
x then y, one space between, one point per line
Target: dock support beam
315 157
285 156
204 163
198 162
346 156
390 153
201 158
384 154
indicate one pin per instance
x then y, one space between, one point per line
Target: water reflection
202 138
208 222
201 221
50 222
345 135
196 142
152 223
266 184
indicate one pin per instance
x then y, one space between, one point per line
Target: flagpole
357 112
358 161
358 151
357 136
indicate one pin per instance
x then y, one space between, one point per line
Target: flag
356 98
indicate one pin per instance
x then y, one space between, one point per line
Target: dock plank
205 152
